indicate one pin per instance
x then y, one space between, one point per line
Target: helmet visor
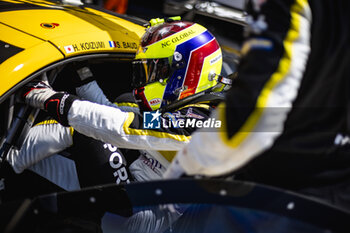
146 71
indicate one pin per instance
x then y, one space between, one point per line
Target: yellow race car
44 36
40 36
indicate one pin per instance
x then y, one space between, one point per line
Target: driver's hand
36 93
39 94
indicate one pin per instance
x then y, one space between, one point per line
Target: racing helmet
174 60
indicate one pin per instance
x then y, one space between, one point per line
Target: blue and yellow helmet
174 60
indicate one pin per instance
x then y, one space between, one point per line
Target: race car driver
286 119
177 65
162 84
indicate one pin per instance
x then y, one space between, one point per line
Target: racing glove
40 95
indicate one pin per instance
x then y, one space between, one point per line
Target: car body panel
35 54
47 32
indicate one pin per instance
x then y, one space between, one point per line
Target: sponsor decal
215 59
129 45
190 114
89 46
69 49
62 103
155 101
151 120
122 44
49 25
116 161
178 38
84 46
151 162
114 44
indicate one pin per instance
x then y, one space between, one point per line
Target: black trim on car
8 50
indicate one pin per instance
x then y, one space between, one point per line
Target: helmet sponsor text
215 59
178 38
155 101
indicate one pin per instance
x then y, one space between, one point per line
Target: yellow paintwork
81 30
36 54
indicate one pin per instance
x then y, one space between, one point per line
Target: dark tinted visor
146 71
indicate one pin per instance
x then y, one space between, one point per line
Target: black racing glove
40 95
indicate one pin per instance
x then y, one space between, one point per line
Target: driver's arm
121 126
105 123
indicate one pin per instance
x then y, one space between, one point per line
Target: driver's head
174 60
